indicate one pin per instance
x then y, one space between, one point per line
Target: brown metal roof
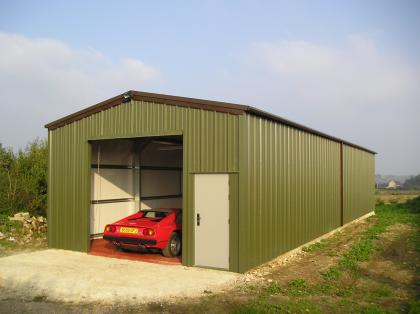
188 102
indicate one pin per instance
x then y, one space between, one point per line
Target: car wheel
173 247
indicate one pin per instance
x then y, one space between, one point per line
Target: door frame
184 174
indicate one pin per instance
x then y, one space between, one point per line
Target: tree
412 184
23 179
7 179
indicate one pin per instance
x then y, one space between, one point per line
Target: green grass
298 296
396 192
315 246
334 272
379 293
297 288
6 225
272 289
413 307
6 244
361 250
265 307
373 309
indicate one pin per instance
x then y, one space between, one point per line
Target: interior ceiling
163 140
168 140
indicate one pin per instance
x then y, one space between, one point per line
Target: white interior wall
112 184
103 214
161 182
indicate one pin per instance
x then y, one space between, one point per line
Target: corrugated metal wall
289 180
210 145
358 183
290 189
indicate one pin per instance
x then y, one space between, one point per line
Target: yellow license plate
128 230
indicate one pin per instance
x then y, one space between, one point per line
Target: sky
347 68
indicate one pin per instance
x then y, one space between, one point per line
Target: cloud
353 74
357 90
42 79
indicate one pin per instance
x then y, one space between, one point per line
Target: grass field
395 196
370 267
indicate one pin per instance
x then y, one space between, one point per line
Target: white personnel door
211 203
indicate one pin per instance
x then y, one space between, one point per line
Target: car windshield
155 213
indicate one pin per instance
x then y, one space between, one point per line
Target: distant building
393 185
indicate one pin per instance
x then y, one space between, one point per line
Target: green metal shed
273 184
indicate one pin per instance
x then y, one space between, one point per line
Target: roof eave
149 97
191 103
270 116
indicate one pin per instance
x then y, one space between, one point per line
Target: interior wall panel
112 183
175 202
103 214
160 183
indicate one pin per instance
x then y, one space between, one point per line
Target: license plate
128 230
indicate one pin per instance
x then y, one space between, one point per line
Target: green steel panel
210 145
285 182
289 189
358 183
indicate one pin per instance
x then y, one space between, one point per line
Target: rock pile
31 226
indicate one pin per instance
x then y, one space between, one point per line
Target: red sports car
149 228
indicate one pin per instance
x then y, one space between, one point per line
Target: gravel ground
65 276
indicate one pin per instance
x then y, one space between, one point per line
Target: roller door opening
136 189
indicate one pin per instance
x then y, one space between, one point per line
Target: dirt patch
397 249
308 266
279 273
297 286
396 262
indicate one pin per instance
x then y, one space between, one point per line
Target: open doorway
129 176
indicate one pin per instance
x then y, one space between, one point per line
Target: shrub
23 179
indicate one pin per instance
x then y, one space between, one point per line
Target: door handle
198 219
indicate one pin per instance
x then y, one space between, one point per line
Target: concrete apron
66 276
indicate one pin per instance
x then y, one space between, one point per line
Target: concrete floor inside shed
100 247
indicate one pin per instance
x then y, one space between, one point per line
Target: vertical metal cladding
69 188
285 182
210 145
289 189
358 183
